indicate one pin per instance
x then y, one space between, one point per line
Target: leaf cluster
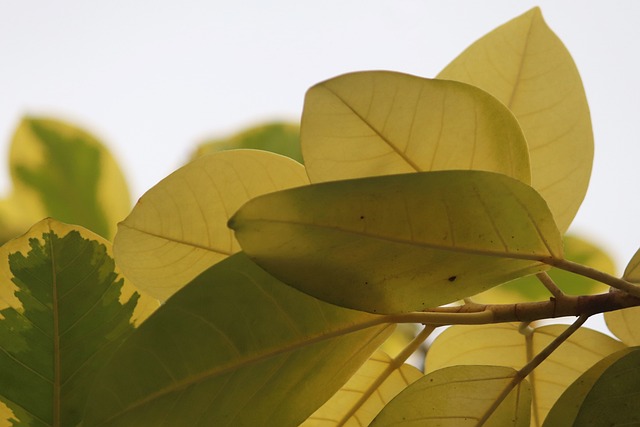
287 274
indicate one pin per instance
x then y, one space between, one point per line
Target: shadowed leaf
400 243
526 66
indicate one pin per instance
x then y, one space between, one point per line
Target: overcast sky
152 79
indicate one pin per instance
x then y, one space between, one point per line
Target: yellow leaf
345 407
526 66
400 243
460 396
178 228
625 323
505 345
381 123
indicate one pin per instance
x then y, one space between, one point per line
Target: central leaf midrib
56 337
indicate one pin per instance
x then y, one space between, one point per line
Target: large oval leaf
62 171
178 228
233 348
359 401
400 243
278 137
607 394
526 66
460 396
505 345
380 123
625 324
63 310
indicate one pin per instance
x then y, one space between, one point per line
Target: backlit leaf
632 272
607 394
345 408
400 243
178 228
531 289
235 347
625 324
526 66
381 123
279 138
459 396
62 171
505 345
61 317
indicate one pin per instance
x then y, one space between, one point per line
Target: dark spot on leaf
361 216
452 278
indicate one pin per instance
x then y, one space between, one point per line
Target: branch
479 314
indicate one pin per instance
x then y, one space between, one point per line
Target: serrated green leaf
526 66
179 227
62 314
62 171
607 394
530 288
459 396
279 138
361 398
400 243
234 347
380 123
507 345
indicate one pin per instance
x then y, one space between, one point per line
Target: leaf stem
551 286
597 275
396 363
533 363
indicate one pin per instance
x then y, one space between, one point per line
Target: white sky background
152 79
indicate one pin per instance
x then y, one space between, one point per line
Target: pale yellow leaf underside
504 345
345 408
526 66
381 123
179 227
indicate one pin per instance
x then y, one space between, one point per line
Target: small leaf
531 289
62 171
505 345
632 272
234 347
607 394
178 228
526 66
459 396
400 243
61 317
279 138
381 123
624 324
345 408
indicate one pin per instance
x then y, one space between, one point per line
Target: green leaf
526 66
632 272
459 396
279 138
531 289
234 347
179 227
62 171
507 345
62 314
400 243
361 398
624 323
607 394
381 123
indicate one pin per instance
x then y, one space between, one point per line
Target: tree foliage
249 289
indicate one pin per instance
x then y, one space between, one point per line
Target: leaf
178 228
62 171
234 347
531 289
400 243
607 394
459 396
504 345
624 323
381 123
632 272
526 66
345 407
61 317
280 138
